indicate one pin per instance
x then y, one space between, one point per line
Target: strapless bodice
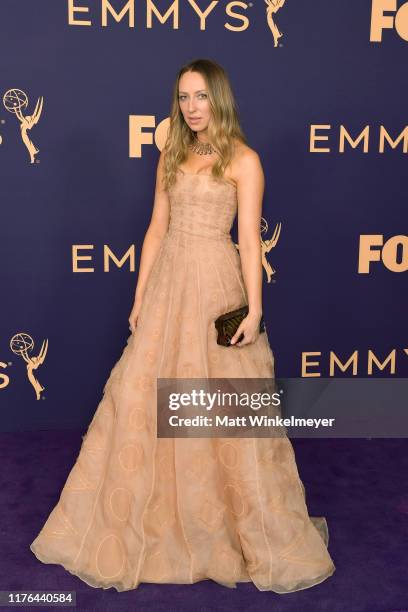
202 206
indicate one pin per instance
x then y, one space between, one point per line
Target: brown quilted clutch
228 323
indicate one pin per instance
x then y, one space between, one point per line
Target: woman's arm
250 186
155 233
250 190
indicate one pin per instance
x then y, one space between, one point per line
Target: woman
137 508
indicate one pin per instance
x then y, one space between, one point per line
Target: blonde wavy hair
223 126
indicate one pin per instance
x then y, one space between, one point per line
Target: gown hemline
84 577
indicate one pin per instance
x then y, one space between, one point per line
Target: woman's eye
181 97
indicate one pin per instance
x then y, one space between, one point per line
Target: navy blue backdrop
104 91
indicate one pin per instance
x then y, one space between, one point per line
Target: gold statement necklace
202 148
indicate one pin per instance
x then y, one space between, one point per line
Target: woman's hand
133 317
250 328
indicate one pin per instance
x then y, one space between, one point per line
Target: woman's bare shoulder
245 160
244 152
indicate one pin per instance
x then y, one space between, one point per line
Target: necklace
202 148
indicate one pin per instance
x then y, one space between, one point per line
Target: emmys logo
393 254
173 14
380 21
362 140
354 363
272 7
21 344
267 245
15 101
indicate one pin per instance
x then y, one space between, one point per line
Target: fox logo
393 253
398 20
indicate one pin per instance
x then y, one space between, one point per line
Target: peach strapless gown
138 509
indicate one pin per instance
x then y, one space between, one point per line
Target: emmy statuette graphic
15 101
267 246
20 344
272 7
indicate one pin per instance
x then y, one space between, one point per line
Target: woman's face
193 101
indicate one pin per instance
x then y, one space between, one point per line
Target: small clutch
228 323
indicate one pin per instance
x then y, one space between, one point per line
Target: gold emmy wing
137 508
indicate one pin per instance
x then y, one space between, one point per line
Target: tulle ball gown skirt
136 508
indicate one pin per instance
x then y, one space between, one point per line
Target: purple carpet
361 486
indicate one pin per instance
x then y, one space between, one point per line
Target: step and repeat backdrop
84 109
